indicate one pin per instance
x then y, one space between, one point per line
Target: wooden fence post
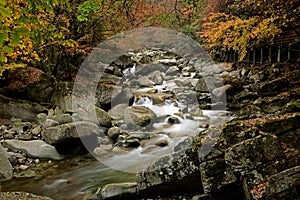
278 54
261 55
289 53
270 55
254 57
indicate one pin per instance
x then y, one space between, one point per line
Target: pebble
23 167
36 130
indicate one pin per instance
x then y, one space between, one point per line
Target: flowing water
76 178
71 179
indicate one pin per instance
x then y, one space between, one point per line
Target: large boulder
106 92
117 112
20 109
6 170
62 96
254 154
34 148
283 185
102 117
139 116
66 132
146 69
171 174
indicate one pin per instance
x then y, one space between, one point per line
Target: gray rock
6 170
172 71
118 191
50 123
254 153
65 132
157 77
102 117
41 118
139 116
201 197
19 108
185 144
62 118
34 148
62 96
219 94
215 175
107 92
144 81
21 126
206 84
139 135
103 149
146 69
283 184
123 62
117 112
162 143
113 133
172 173
132 142
201 86
36 130
168 61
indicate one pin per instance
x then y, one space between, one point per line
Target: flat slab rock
34 148
118 191
6 170
283 182
65 132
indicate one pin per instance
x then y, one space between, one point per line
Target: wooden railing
284 48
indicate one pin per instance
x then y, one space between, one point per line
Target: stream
179 117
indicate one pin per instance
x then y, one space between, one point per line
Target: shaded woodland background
55 36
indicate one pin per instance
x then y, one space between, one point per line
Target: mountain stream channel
172 88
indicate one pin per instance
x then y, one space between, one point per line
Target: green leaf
7 50
4 12
82 18
23 31
15 37
3 38
3 59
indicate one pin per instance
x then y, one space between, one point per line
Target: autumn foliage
243 24
56 35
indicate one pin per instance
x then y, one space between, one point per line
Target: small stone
103 149
36 161
50 123
41 118
8 134
21 160
172 71
134 142
124 127
173 120
113 133
21 126
23 167
162 143
36 130
24 136
2 127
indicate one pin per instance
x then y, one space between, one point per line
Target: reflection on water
72 179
